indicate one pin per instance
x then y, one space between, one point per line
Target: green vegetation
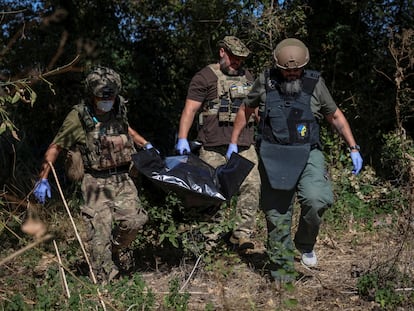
364 50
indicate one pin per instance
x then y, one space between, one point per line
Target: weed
380 286
128 293
176 300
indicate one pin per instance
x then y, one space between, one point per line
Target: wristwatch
355 147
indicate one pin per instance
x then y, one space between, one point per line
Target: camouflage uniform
113 217
112 210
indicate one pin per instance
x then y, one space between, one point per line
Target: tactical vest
288 131
231 90
289 120
108 144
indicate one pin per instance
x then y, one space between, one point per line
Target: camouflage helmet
103 82
235 46
291 53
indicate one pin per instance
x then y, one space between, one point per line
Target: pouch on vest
283 163
74 165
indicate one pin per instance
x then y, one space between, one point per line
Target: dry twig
191 274
62 271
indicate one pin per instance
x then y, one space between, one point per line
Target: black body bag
194 181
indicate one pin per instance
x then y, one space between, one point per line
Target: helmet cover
103 82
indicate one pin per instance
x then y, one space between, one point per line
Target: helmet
291 53
103 82
235 46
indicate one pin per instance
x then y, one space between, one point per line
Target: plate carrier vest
288 131
108 144
231 90
289 120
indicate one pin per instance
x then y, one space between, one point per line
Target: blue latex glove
182 146
149 146
356 161
42 189
232 148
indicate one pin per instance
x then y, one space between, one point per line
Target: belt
108 172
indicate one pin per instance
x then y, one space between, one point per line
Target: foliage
176 300
363 197
83 296
132 293
380 285
194 231
361 47
11 93
393 156
158 46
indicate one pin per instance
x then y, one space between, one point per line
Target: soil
244 284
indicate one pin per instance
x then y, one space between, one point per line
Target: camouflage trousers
113 215
248 195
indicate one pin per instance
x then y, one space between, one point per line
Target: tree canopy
359 46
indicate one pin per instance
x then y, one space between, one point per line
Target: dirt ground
245 286
235 281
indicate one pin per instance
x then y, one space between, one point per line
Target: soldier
292 102
97 131
217 91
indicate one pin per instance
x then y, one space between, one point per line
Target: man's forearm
239 123
339 121
50 156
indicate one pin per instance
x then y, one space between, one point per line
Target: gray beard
291 88
227 70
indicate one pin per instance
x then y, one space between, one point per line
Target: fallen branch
408 289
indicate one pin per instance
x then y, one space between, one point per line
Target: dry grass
330 286
238 281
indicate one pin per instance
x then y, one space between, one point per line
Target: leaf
15 136
173 241
3 128
33 97
16 98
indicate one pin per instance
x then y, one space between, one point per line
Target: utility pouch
74 165
224 111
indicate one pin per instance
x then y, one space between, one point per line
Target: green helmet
103 82
291 53
235 46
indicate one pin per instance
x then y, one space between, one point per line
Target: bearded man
216 93
292 101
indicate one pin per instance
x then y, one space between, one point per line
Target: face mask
105 105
